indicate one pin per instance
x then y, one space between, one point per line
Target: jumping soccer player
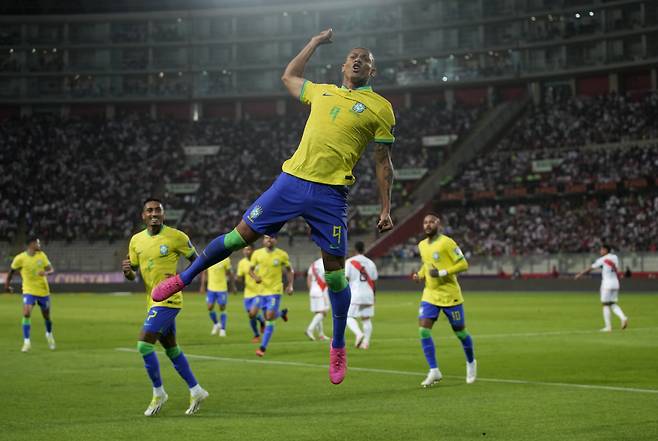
315 180
251 293
155 251
218 278
268 266
362 274
34 267
609 264
442 261
317 291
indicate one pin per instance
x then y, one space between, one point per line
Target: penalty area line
413 374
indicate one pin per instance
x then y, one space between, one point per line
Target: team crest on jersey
39 262
359 107
276 262
435 255
164 250
255 212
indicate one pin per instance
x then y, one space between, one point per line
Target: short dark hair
606 246
433 213
31 239
151 199
372 56
360 247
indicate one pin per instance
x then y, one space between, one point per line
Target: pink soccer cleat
337 364
167 288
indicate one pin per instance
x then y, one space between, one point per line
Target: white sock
317 318
367 329
354 326
618 312
26 340
158 391
607 316
196 390
320 325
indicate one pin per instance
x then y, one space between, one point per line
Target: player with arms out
609 264
251 293
155 252
442 260
362 274
217 279
34 268
268 266
317 292
315 180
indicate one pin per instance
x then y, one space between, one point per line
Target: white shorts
359 311
319 304
609 295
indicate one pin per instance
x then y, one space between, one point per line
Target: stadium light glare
591 13
444 79
578 15
11 51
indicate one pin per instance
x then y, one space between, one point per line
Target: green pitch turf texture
545 373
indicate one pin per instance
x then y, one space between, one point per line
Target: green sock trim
26 321
271 323
336 280
145 348
462 335
173 352
424 332
233 241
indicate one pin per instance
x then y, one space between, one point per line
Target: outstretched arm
293 76
582 273
384 172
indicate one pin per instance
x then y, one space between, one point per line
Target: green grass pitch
545 373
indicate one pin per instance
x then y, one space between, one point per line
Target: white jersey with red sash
361 273
318 284
609 265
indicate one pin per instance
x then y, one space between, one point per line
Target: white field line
410 373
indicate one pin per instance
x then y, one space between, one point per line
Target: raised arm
582 273
384 173
293 76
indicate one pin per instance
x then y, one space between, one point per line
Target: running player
362 274
314 183
34 267
217 279
155 251
251 293
609 264
317 291
442 260
268 266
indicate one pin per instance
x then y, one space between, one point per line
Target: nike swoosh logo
326 94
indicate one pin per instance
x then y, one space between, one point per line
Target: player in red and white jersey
361 272
609 265
317 291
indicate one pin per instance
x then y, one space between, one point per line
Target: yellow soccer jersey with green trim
441 253
251 288
157 256
217 275
341 124
29 268
269 266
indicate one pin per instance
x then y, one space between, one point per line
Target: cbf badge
255 212
435 255
164 250
276 262
358 107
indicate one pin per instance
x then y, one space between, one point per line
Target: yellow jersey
157 256
270 266
30 267
217 275
441 253
251 288
341 124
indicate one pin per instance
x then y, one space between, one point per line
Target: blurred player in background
442 260
314 183
317 292
268 266
155 251
609 265
34 268
251 293
362 274
217 279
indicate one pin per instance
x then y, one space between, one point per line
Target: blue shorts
42 301
270 302
161 320
251 303
324 207
455 314
221 297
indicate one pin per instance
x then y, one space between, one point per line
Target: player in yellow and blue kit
442 260
251 293
315 180
155 251
34 268
268 267
217 279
